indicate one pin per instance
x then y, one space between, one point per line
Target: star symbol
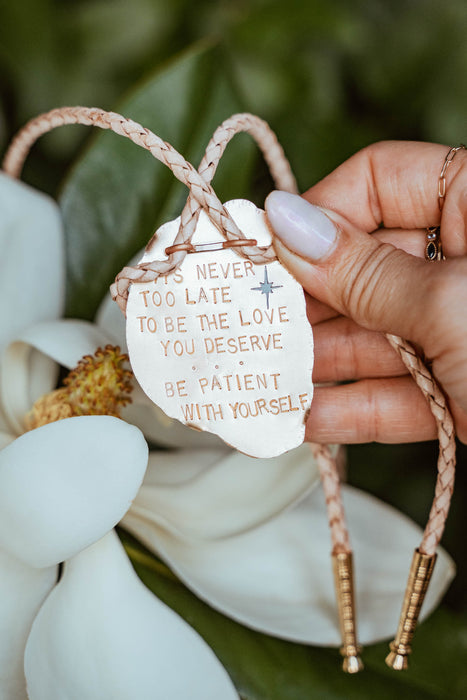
266 287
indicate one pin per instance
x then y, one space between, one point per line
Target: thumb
380 287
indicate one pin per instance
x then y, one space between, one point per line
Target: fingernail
301 226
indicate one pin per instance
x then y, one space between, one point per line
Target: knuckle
373 417
456 174
371 155
366 418
373 150
367 281
349 343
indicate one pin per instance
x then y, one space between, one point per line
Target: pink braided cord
280 171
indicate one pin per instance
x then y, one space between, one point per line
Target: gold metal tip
352 664
419 577
399 662
343 580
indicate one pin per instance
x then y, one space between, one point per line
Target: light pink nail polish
301 226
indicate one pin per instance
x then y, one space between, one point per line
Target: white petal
5 439
67 340
63 486
277 578
25 375
4 427
162 430
29 367
179 467
22 592
231 494
110 319
32 260
103 634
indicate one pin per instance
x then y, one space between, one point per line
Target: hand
363 283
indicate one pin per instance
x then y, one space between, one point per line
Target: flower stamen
99 385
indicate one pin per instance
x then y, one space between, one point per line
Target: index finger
395 183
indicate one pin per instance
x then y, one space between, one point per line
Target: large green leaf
117 194
265 668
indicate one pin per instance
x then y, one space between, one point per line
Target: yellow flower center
99 385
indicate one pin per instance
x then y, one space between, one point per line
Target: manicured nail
301 226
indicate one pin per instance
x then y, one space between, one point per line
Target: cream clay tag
222 344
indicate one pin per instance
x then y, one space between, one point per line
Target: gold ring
433 247
442 176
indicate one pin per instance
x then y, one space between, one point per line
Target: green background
330 77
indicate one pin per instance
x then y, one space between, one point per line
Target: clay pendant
222 344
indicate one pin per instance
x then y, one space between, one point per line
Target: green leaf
118 194
265 668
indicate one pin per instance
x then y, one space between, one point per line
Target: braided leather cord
447 443
200 190
273 153
280 170
333 496
203 196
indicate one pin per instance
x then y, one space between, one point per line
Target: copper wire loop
442 176
209 247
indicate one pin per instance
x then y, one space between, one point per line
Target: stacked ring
433 248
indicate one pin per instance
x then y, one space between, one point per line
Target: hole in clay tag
222 344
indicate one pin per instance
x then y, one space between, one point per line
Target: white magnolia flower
63 486
248 536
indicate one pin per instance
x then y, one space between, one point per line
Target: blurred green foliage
118 195
330 76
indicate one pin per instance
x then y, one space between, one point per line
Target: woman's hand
361 285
